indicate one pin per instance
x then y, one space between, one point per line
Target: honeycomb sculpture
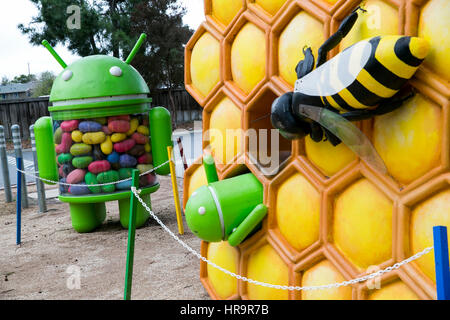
330 217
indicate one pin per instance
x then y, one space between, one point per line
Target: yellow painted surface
197 179
433 212
327 158
248 57
303 30
380 19
362 224
225 10
321 274
271 6
298 212
225 256
409 139
225 131
205 64
434 26
393 291
265 265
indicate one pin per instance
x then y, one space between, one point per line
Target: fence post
131 238
15 129
441 262
39 184
5 169
19 202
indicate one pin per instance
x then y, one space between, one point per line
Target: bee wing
347 132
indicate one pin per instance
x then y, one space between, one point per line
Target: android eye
115 71
67 75
201 210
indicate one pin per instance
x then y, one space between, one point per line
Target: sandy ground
38 268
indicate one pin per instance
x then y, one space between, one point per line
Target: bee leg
316 132
335 141
306 65
345 27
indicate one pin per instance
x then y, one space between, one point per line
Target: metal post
131 238
176 197
39 183
15 129
5 170
19 202
441 262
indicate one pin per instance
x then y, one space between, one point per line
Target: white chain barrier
274 286
33 175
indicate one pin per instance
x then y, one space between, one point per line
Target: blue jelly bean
127 161
79 190
113 157
125 185
63 188
89 126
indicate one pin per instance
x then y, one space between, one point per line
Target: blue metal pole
441 262
19 200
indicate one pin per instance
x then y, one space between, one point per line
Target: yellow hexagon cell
205 64
380 19
265 265
197 179
225 256
248 58
271 6
225 10
225 131
434 26
303 30
298 212
433 212
326 157
393 291
362 224
409 139
321 274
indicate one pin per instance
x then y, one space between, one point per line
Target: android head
204 216
97 86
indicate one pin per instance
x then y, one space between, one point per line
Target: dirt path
38 268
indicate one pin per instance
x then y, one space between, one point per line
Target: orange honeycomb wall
331 218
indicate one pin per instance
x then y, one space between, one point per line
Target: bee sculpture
365 80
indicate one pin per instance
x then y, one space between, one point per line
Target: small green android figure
107 129
225 210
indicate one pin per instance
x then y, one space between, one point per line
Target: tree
24 78
5 81
113 26
44 84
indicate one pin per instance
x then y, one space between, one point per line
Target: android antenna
54 54
136 48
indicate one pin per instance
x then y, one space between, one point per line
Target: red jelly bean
124 117
145 159
106 130
66 143
69 126
139 138
120 126
99 166
76 176
124 146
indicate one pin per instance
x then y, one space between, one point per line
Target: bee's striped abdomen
391 64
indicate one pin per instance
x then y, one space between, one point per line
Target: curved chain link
30 174
274 286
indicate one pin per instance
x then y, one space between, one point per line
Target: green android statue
228 210
101 129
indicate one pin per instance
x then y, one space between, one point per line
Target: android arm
248 225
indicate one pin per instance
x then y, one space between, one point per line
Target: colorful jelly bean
69 126
94 137
80 149
89 126
120 126
127 161
76 176
66 143
99 166
124 146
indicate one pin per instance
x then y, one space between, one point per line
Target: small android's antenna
136 48
54 54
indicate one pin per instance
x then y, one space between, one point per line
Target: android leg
86 217
141 214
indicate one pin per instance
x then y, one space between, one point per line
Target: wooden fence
25 112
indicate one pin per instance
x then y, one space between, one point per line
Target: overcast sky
16 52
